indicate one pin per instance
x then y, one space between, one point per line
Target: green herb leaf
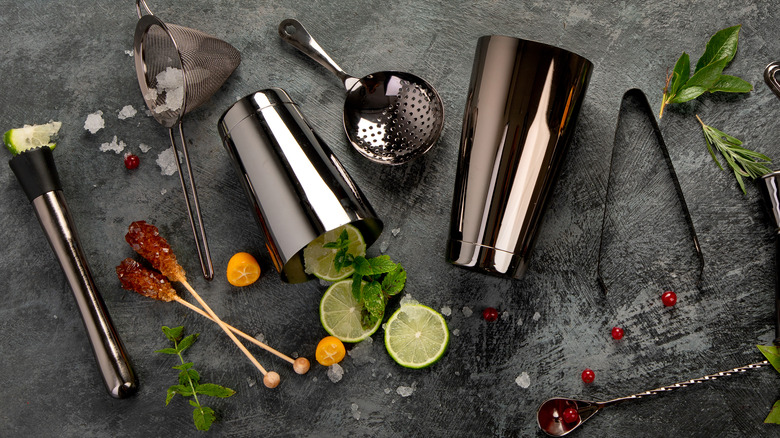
203 417
184 366
357 283
680 74
394 282
774 414
373 300
214 390
183 390
731 84
708 74
742 161
173 334
189 376
772 354
721 47
167 351
187 342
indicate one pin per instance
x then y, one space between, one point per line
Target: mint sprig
708 75
189 379
375 279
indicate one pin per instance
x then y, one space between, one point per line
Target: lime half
340 313
416 336
31 137
318 260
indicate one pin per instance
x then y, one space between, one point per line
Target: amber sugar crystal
146 241
137 278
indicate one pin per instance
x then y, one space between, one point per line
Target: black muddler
38 176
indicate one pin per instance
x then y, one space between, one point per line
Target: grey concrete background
65 60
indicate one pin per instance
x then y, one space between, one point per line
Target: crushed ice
406 391
167 161
537 316
260 337
407 299
505 315
395 231
126 112
355 411
144 147
171 83
383 246
115 146
446 311
467 311
456 332
335 373
94 122
523 380
361 353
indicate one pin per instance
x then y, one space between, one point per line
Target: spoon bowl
549 416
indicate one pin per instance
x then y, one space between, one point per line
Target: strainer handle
296 35
138 4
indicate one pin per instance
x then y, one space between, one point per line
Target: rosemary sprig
743 161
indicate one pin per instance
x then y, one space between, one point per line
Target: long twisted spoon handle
706 378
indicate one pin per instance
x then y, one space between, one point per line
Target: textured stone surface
66 60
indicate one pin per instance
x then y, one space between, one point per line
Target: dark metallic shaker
523 102
37 174
296 186
770 188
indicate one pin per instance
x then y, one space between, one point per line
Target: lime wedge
318 260
416 336
31 137
340 313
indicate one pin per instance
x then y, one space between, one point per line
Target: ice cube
126 112
116 146
335 373
167 161
446 311
523 380
94 122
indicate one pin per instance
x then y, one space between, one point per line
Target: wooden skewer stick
270 379
300 365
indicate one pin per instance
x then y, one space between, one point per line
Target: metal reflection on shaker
297 187
523 101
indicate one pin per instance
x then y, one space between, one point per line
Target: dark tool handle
37 174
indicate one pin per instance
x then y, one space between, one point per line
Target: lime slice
416 336
318 260
31 137
340 313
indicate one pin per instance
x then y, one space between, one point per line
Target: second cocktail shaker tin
296 186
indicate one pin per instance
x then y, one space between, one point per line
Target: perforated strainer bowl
389 117
178 69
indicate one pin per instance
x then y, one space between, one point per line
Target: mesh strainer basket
178 69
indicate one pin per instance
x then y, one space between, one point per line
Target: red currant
490 314
570 415
669 298
588 375
617 333
132 161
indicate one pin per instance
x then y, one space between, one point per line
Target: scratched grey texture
65 60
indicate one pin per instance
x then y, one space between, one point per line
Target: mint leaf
214 390
357 285
731 84
189 376
721 47
332 245
203 417
183 390
373 300
772 354
394 281
184 366
187 342
774 414
167 351
173 334
362 266
381 265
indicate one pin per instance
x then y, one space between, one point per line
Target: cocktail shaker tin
296 186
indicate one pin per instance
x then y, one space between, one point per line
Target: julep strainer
178 69
389 117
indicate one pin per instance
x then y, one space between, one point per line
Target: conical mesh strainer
178 69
